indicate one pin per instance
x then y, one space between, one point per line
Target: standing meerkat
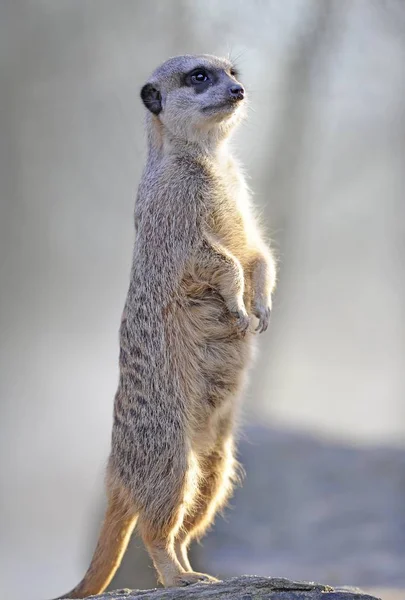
200 272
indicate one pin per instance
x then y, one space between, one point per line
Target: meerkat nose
236 92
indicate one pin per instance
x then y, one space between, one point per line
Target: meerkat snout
236 93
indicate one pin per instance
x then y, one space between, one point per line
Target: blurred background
323 440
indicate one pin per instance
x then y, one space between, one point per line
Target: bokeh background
324 436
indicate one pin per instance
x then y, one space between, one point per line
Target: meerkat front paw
192 577
242 320
263 313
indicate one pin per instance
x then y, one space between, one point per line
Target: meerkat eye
233 72
199 76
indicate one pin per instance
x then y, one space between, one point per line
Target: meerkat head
194 98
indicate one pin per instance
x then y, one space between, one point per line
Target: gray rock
243 588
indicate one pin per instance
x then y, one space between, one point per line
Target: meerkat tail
113 540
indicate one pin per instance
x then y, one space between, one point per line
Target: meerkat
201 280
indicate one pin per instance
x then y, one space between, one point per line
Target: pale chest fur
230 219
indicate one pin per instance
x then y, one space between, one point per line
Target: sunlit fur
201 281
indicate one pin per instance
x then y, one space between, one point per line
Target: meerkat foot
189 578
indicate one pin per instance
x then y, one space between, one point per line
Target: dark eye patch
234 72
200 79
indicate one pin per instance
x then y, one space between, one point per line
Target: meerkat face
195 95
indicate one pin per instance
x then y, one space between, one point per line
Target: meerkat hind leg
159 538
182 554
219 472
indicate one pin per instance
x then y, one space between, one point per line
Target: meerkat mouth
214 107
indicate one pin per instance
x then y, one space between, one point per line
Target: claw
263 314
192 577
242 320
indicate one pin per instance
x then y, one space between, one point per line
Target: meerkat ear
152 98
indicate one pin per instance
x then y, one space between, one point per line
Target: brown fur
200 272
